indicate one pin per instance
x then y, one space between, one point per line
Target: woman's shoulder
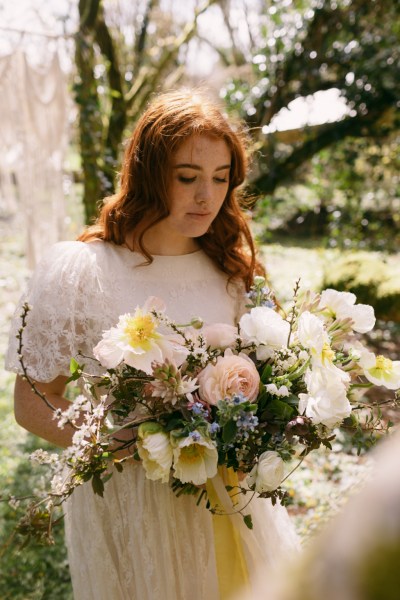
76 253
68 264
65 251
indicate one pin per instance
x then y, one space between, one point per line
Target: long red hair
142 199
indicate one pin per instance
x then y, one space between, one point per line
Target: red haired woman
175 230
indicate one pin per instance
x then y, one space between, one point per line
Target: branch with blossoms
191 402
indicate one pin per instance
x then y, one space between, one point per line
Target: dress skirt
141 542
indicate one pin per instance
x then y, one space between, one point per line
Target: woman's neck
158 244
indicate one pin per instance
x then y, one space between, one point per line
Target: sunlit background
317 84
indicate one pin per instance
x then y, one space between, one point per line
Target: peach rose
231 374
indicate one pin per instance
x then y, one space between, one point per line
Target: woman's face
198 184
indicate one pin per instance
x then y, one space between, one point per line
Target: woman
174 230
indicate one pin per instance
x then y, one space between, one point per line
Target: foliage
349 197
34 572
119 65
372 279
308 47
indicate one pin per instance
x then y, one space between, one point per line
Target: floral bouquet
186 399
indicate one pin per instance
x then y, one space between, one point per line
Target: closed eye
186 179
221 179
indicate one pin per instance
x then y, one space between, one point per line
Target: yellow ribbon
231 563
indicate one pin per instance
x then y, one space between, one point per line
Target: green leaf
106 477
266 374
248 521
262 401
280 409
174 423
229 431
73 365
97 485
75 370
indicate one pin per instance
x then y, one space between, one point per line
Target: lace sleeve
62 294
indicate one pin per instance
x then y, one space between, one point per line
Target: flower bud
259 281
197 322
298 426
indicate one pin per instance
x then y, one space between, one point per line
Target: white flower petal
195 461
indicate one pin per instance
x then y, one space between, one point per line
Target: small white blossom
80 436
282 391
304 356
13 502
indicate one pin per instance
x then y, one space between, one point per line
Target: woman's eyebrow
198 167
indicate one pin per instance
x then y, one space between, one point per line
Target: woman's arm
34 415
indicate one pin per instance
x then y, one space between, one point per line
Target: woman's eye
186 179
220 179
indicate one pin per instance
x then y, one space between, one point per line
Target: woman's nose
203 192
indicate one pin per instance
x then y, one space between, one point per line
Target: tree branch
117 115
88 10
325 25
142 37
148 77
321 137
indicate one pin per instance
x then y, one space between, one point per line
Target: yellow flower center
383 363
192 453
141 330
327 353
383 367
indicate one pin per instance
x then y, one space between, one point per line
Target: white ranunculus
380 370
137 341
155 451
311 333
268 473
326 401
195 458
342 305
266 329
326 377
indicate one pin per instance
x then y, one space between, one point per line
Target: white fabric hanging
33 141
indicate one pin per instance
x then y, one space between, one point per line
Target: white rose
267 474
266 329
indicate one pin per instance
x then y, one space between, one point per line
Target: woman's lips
199 216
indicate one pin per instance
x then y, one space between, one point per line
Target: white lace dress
139 542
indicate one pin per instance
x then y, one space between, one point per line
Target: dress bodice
80 289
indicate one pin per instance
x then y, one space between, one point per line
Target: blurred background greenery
316 82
